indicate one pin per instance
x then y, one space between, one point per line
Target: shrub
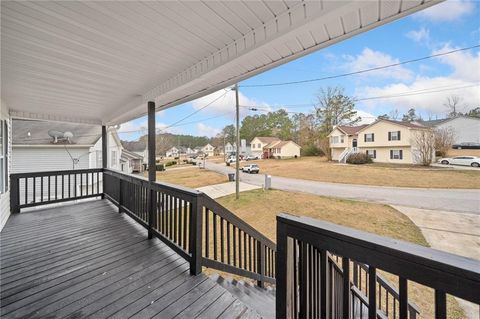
159 167
358 158
170 163
311 150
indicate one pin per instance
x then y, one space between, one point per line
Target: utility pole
237 157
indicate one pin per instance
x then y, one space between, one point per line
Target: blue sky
444 27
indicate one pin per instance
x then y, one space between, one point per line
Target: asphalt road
455 200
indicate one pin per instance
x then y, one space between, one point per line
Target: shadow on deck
86 260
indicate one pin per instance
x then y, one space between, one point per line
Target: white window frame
371 154
369 137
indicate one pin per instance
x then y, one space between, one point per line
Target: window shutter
374 153
401 154
373 137
399 135
389 136
364 137
391 154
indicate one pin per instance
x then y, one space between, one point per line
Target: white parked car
251 158
461 160
251 168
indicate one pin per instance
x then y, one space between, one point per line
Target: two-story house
208 150
259 142
385 141
344 139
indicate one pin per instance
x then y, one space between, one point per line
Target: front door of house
354 142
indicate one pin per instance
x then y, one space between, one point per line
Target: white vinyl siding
5 196
372 153
41 159
3 156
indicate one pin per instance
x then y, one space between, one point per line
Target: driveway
455 200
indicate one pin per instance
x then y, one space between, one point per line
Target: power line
402 94
360 71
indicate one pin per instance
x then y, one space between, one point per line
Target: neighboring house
343 138
5 163
138 147
230 148
131 162
384 141
177 151
466 128
114 147
208 150
281 150
259 142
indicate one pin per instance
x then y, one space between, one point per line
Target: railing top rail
450 273
52 173
162 185
238 222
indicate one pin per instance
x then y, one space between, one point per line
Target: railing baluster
41 189
403 294
185 224
34 189
26 190
234 245
372 296
222 240
228 243
440 304
175 219
214 236
303 279
346 287
180 222
245 248
260 262
63 186
207 233
323 284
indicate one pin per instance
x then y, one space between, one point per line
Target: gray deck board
86 260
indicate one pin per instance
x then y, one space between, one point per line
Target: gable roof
130 155
279 144
83 134
351 130
267 139
433 123
402 123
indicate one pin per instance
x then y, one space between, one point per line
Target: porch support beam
151 166
104 146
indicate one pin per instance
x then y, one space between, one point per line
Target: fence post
196 235
14 195
260 262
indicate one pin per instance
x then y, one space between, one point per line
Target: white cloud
371 59
465 65
226 104
450 10
367 118
205 130
421 36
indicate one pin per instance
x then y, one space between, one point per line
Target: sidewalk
224 189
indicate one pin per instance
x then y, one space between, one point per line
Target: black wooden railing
314 277
40 188
198 228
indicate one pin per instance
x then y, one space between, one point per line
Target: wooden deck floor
86 260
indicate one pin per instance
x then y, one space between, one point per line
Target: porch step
262 300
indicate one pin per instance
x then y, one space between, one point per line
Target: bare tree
444 138
424 142
324 146
453 104
394 114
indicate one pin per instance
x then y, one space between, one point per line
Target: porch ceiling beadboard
100 62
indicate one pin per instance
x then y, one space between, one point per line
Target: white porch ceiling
100 62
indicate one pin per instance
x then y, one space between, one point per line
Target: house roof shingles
351 130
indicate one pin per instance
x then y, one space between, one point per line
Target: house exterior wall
290 150
208 150
380 131
383 154
48 158
5 196
338 135
336 152
113 146
466 129
255 150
